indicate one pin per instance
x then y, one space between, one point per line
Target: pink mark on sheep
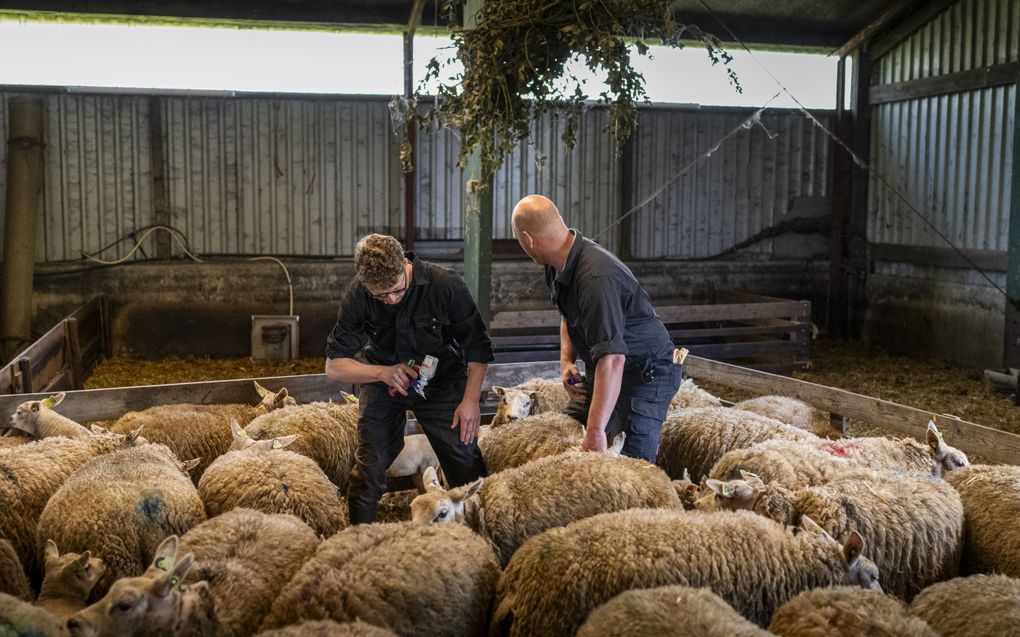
842 449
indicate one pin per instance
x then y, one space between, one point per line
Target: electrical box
274 337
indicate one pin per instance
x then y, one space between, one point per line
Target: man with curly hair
398 309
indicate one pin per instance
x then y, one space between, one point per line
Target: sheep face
860 570
273 400
736 495
26 417
516 403
70 575
947 458
439 506
154 603
243 441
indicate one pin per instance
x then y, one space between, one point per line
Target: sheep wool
246 557
668 610
416 580
13 581
986 605
695 439
690 395
991 504
792 412
121 506
329 628
19 618
556 578
529 438
846 611
509 507
327 433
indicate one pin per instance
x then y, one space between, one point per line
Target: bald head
540 230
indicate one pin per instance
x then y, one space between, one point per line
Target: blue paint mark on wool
150 504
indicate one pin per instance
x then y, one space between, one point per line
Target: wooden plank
752 349
902 31
72 354
7 379
25 382
863 36
972 80
988 260
991 444
106 326
734 296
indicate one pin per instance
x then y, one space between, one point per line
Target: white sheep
846 611
510 506
37 419
262 475
13 579
556 578
792 412
416 456
533 396
69 580
328 628
690 395
417 580
991 502
979 605
529 438
121 506
157 602
695 439
913 525
668 610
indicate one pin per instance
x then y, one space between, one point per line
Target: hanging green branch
514 62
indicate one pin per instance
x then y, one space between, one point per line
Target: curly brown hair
379 260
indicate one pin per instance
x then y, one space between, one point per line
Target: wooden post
106 326
160 189
25 371
857 222
835 311
1011 345
72 354
410 131
24 184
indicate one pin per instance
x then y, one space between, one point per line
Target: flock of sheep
756 519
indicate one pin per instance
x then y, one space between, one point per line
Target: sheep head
243 441
26 417
947 458
515 403
70 575
439 506
273 400
860 570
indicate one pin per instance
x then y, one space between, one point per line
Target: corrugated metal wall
309 176
950 155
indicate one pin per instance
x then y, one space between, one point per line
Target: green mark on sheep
164 563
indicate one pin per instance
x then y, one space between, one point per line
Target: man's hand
398 377
576 391
467 417
594 440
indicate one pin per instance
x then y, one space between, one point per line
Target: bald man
607 319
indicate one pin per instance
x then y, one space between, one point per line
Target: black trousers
381 438
639 412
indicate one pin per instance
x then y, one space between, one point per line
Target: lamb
19 618
695 439
846 611
13 581
975 605
817 462
69 580
328 628
416 456
416 580
690 395
327 433
668 610
157 602
261 475
792 412
913 525
199 431
559 576
533 396
37 419
33 473
991 504
246 573
121 506
528 439
509 507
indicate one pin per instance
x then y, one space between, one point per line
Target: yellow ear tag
173 582
164 563
49 402
277 444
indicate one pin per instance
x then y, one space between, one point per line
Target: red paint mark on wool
842 449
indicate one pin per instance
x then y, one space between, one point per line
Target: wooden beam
160 184
988 443
881 22
1011 336
904 29
988 260
972 80
835 318
856 230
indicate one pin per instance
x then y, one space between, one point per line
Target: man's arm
568 369
348 370
608 376
468 414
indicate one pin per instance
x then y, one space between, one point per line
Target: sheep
687 490
31 474
157 602
19 618
533 396
792 412
695 439
328 628
69 580
529 438
983 605
199 431
509 507
14 438
816 462
913 525
37 419
428 580
327 433
261 475
991 505
416 456
556 578
247 572
667 610
13 581
846 611
690 395
121 506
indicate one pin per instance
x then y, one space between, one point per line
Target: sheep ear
163 558
133 436
52 552
83 560
472 489
853 547
53 400
618 442
35 405
237 432
431 480
810 525
283 441
687 475
752 480
96 429
349 398
168 581
282 394
935 439
188 465
498 391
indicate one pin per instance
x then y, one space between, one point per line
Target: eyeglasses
382 296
